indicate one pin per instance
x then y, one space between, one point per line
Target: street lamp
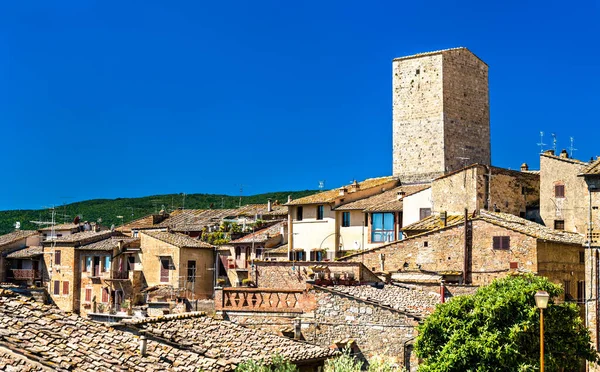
541 301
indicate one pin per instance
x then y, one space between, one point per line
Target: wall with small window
414 204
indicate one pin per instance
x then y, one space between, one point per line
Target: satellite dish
17 225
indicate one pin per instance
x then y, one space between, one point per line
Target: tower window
559 191
320 212
418 72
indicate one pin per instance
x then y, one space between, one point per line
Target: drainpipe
290 228
297 329
442 291
143 344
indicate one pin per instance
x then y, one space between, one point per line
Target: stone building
482 248
441 115
12 242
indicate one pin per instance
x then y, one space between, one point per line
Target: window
501 242
88 295
107 263
567 287
580 291
424 212
164 270
104 295
581 257
88 263
57 257
135 233
65 288
559 191
425 244
559 225
382 227
317 256
192 271
56 287
299 213
320 212
299 256
96 266
345 219
513 265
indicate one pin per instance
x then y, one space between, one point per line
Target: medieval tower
441 114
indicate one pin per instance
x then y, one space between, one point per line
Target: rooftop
27 252
592 169
44 335
108 244
263 235
81 238
331 196
177 239
224 340
15 236
441 51
387 201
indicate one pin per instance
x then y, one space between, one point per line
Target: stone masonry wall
440 113
466 110
335 318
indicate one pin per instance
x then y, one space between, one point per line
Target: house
19 269
184 263
481 248
314 223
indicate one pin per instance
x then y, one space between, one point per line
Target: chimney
343 191
297 329
564 154
354 186
269 206
401 195
444 218
289 198
143 344
549 152
524 167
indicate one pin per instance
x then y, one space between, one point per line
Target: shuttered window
501 242
104 295
57 257
65 288
88 295
56 287
559 191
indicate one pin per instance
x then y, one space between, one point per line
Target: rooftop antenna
572 148
541 144
183 205
321 185
554 142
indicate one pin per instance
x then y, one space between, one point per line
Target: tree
497 329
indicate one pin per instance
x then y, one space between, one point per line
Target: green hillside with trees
132 208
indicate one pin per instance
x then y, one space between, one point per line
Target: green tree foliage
277 364
133 208
497 329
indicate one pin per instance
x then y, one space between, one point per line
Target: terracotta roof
277 210
530 228
568 160
282 249
592 169
62 226
384 202
412 301
231 342
67 342
16 235
108 244
434 222
27 252
81 237
263 235
10 361
140 223
331 196
177 239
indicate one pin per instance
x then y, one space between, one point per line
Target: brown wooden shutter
57 257
164 270
65 288
559 191
57 287
104 295
88 294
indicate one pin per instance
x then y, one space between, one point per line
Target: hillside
132 208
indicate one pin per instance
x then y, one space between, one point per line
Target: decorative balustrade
26 274
261 300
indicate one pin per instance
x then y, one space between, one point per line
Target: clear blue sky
105 99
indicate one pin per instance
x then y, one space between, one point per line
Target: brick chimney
564 154
524 167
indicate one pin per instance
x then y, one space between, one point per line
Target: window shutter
65 288
496 242
88 294
104 295
56 287
57 257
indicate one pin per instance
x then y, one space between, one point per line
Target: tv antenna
541 144
321 185
554 142
572 149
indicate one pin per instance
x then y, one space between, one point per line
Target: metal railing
25 274
264 300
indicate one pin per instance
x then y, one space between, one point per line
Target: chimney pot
564 154
143 344
269 205
524 167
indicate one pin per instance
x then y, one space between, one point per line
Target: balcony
120 275
26 274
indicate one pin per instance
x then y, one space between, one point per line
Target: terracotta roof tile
108 244
263 235
80 238
331 195
16 235
384 202
27 252
592 169
61 226
177 239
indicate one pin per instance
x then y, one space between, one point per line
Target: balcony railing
123 275
264 300
26 274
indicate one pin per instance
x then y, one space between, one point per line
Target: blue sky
106 99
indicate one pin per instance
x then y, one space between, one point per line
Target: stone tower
441 114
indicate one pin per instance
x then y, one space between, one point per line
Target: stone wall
293 275
68 271
440 113
338 318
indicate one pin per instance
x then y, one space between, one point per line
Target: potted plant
247 282
221 282
101 308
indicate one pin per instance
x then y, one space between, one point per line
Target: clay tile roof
261 236
44 335
282 249
413 301
387 201
81 238
331 195
530 228
15 236
434 222
108 244
177 239
592 169
227 341
27 252
62 226
277 210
